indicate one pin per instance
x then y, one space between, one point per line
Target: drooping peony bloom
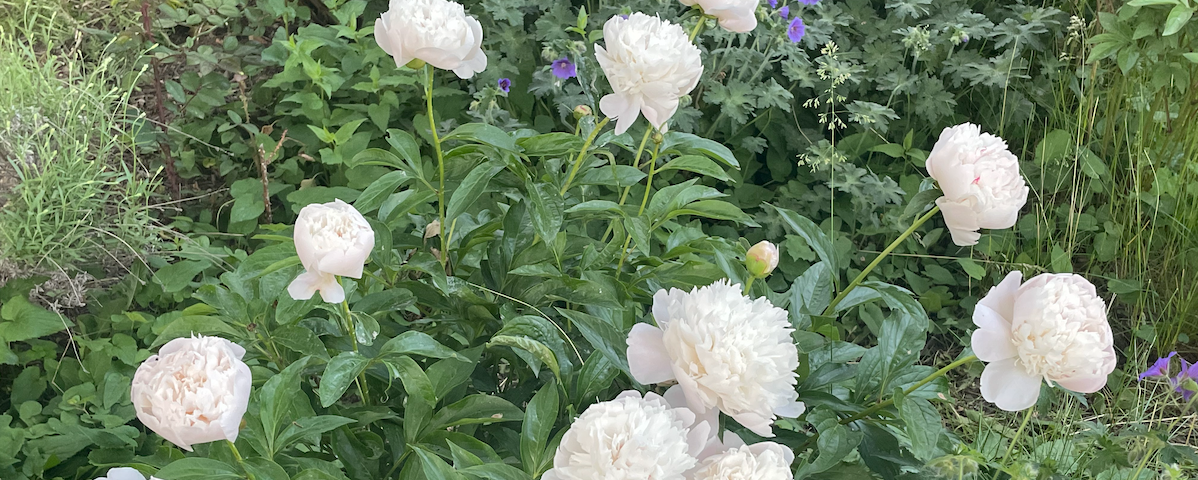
738 16
438 32
124 473
728 352
796 30
732 459
331 239
1052 328
761 259
563 68
630 438
650 64
980 179
195 390
505 84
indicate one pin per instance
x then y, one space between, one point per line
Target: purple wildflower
1160 368
563 68
1188 372
505 84
773 3
796 30
784 12
808 2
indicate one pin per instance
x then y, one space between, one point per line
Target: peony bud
195 390
331 239
761 259
582 111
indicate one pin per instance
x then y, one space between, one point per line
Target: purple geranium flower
773 3
505 84
1188 372
563 68
784 12
796 30
808 2
1160 368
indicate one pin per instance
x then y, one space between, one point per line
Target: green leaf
177 276
596 206
434 467
924 427
275 399
471 188
265 469
538 350
187 325
378 191
338 375
483 133
421 396
638 229
419 343
196 468
688 143
24 321
717 209
496 471
539 418
347 131
476 409
306 427
550 144
546 210
1061 261
814 236
1191 56
835 442
1178 17
402 203
595 376
698 164
602 336
972 268
892 150
300 340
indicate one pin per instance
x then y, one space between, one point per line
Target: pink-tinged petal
1009 386
992 341
758 424
662 300
1001 297
1083 384
332 292
739 24
698 436
242 385
961 220
647 357
305 285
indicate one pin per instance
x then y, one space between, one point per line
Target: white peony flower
650 63
1054 328
436 31
733 460
630 438
331 239
195 390
728 353
124 473
738 16
980 180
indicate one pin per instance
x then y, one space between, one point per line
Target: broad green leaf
275 399
408 150
1178 17
611 175
892 150
596 206
1191 56
594 376
810 232
698 164
538 350
196 468
550 144
476 409
539 418
265 469
1061 260
188 325
299 340
483 133
972 268
924 427
401 203
546 210
378 191
419 343
421 396
689 143
602 336
347 131
178 275
338 375
24 321
434 466
496 471
471 188
835 442
638 228
299 429
717 209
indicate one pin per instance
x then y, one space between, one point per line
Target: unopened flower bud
581 111
761 259
658 137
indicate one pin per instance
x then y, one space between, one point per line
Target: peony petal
347 263
1009 386
755 423
961 221
791 410
647 357
123 473
242 385
740 23
1083 384
1001 297
306 284
992 341
332 292
662 300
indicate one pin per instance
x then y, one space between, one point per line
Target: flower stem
1018 433
649 181
432 126
698 27
890 248
353 340
583 153
749 284
240 461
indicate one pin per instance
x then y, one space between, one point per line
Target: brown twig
263 161
172 176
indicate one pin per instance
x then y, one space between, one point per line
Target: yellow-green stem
583 153
749 284
889 248
1010 448
698 27
636 163
240 461
432 126
353 340
649 181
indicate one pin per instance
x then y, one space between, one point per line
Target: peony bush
546 296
